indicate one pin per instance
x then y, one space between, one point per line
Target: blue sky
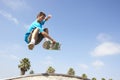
87 29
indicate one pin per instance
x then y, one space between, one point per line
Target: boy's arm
46 35
48 17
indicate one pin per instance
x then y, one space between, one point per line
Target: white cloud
98 64
106 48
83 66
102 37
9 17
15 4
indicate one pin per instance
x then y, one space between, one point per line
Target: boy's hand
49 16
54 42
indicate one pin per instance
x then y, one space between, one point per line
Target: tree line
25 65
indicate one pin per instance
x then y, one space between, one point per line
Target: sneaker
31 46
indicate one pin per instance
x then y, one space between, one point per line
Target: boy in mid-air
36 32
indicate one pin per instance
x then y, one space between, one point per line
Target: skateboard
50 46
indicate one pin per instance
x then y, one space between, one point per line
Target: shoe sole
31 46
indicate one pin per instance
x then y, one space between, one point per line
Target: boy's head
41 16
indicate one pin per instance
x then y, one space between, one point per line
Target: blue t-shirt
34 25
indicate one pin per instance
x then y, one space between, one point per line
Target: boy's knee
46 30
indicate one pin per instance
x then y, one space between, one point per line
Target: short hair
40 14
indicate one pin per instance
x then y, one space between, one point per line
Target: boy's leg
33 38
40 36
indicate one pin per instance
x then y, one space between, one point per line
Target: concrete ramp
46 76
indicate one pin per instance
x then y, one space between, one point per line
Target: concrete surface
45 76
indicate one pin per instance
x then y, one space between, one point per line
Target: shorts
39 39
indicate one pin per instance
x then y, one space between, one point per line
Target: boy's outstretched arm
46 35
48 17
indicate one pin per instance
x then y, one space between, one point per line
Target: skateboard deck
50 46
